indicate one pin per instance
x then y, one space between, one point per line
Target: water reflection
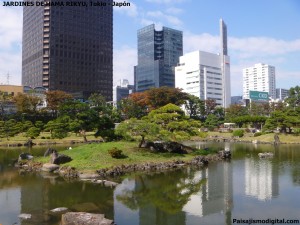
261 178
160 198
246 186
178 197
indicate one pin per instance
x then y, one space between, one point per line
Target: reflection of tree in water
168 191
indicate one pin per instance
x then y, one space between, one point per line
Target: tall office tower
158 54
69 48
260 77
206 75
225 65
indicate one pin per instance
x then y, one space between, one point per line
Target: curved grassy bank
91 157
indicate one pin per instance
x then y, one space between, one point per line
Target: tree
158 97
234 111
81 117
282 120
5 99
27 103
131 109
59 127
195 107
8 128
173 124
166 114
55 99
33 132
134 128
294 97
211 121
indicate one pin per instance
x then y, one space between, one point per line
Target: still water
246 187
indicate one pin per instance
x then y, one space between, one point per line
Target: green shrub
238 133
33 132
296 131
116 153
257 134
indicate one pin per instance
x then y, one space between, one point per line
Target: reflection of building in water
261 179
215 195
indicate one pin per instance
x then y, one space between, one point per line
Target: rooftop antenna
7 78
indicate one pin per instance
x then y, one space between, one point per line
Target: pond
243 188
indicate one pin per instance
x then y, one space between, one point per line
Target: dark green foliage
238 133
116 153
257 134
211 122
33 132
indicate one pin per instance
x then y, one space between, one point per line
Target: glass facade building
158 54
69 48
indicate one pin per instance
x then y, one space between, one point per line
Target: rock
59 158
276 139
265 155
172 147
225 154
75 218
49 151
29 143
58 211
68 172
25 216
84 176
49 167
25 156
108 183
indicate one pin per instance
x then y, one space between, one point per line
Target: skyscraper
158 54
260 77
206 75
69 48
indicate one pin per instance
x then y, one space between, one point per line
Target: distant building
237 100
122 90
206 75
281 93
158 54
260 77
12 90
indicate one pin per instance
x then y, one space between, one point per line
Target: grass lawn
90 157
44 137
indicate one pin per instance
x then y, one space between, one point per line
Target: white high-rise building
206 75
260 77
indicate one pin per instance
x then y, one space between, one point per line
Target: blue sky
266 31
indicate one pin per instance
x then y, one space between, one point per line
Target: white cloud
263 45
131 10
174 11
203 42
125 59
169 18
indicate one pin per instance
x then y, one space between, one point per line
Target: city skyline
258 32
